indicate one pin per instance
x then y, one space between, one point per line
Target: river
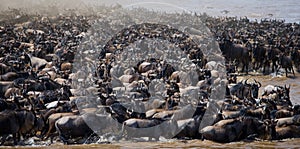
254 9
291 143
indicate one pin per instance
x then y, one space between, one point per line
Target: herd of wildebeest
37 101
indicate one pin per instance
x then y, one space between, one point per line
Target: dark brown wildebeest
291 131
236 52
273 56
4 86
238 129
151 128
286 63
252 89
10 76
131 126
41 85
294 120
261 113
223 131
295 56
285 99
76 126
4 68
70 127
232 78
283 113
259 54
189 128
9 125
51 122
16 122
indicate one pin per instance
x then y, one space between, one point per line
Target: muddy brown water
290 143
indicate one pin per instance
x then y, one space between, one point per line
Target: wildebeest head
232 78
27 119
286 95
204 74
270 129
264 129
253 88
286 92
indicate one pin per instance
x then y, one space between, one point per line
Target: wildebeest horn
287 87
259 84
246 82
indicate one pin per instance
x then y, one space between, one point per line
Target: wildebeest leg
61 135
264 65
293 71
274 66
286 71
3 139
237 63
277 70
254 65
48 132
246 67
261 64
16 138
52 135
62 138
243 67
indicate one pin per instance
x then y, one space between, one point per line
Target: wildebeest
259 54
223 131
189 127
270 89
232 78
283 113
10 76
4 86
70 127
151 128
286 95
236 52
286 63
291 131
245 90
13 91
273 56
286 121
16 123
40 85
82 126
4 68
238 129
253 88
295 56
261 113
51 122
